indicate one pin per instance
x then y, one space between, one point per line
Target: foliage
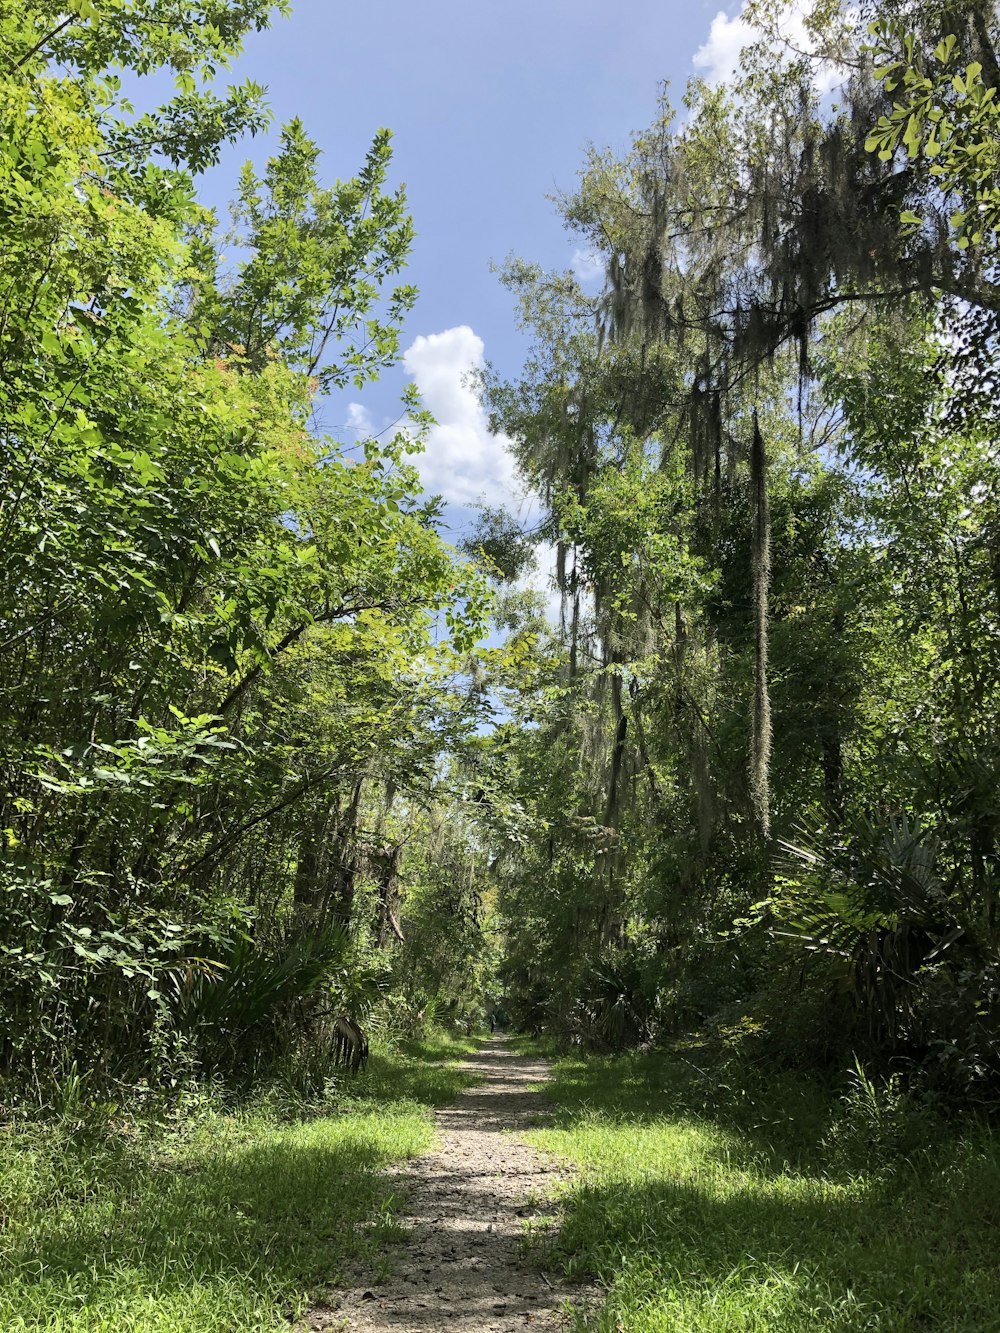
946 114
212 1213
709 1198
216 626
260 770
762 746
499 541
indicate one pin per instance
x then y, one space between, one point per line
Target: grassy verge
767 1209
542 1048
211 1220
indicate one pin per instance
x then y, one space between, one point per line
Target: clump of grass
738 1218
213 1219
422 1070
543 1047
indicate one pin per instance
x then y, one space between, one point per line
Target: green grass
543 1048
209 1222
423 1071
768 1210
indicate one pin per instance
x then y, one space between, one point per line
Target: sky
492 109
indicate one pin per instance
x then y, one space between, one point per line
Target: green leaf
913 135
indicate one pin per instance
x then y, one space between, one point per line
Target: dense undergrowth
713 1197
274 755
208 1214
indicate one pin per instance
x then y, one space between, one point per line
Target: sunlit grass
698 1223
209 1222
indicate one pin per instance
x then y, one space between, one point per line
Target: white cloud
463 461
359 420
587 266
718 59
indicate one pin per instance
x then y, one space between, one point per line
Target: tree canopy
273 751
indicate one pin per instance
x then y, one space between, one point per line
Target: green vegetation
756 765
207 1218
718 1198
260 771
278 763
232 649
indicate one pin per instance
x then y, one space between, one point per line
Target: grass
540 1048
209 1221
762 1209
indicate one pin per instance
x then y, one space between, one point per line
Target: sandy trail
466 1204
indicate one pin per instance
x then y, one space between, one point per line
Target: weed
737 1217
207 1217
878 1125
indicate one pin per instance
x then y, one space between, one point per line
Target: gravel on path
467 1204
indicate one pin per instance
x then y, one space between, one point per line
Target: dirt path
467 1203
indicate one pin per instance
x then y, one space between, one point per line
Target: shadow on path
468 1203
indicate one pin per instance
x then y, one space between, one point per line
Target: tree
756 449
214 625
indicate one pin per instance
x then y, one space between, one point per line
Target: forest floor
464 1185
469 1206
713 1196
208 1213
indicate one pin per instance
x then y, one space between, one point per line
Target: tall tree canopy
218 629
766 451
261 764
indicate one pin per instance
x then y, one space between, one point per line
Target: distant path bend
467 1201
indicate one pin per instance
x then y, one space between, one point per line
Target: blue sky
491 109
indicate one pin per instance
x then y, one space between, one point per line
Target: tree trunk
760 746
